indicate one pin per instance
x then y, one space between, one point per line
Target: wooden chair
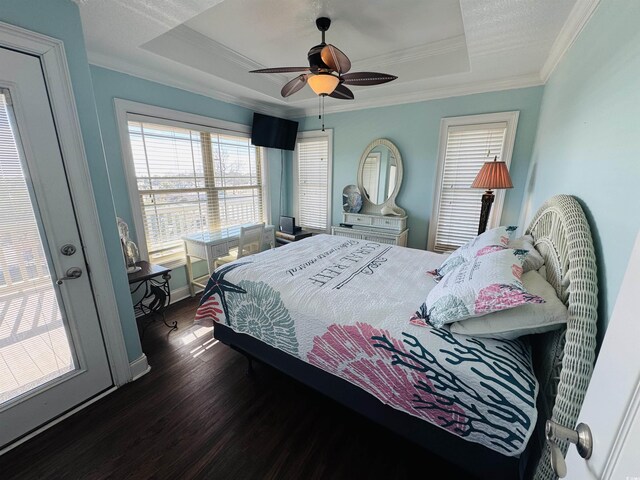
249 242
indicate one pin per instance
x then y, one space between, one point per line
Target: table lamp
492 175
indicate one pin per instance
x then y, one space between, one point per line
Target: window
465 144
189 178
312 174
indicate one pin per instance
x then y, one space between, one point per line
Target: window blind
190 180
468 147
313 183
23 264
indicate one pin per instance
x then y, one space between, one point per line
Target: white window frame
328 135
125 109
511 119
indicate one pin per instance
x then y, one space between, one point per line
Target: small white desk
212 245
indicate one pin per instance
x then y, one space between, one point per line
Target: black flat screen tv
273 132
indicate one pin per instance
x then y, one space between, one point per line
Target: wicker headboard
564 359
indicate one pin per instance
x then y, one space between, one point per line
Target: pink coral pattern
209 312
348 351
517 271
417 321
504 240
488 249
501 297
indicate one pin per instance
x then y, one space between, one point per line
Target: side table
284 238
156 295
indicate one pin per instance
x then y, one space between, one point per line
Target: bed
333 313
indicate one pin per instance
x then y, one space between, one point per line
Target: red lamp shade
493 175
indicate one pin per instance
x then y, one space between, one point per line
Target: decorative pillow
483 285
524 320
487 242
533 261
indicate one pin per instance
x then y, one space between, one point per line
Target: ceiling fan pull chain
323 112
319 107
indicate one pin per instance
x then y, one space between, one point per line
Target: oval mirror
380 177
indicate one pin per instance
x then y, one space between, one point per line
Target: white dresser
376 228
379 178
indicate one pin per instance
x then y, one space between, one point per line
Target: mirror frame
389 206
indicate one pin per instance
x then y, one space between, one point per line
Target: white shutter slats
312 183
468 147
191 180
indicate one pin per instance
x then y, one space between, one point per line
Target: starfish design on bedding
217 284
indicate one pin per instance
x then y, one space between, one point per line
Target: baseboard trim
182 293
139 367
56 420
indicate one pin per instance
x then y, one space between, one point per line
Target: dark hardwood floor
197 415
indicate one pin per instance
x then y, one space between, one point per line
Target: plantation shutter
468 147
191 180
313 183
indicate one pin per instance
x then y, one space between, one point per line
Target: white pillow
480 286
524 320
487 242
533 261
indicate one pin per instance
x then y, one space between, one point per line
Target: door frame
58 81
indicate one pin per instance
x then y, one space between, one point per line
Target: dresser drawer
392 223
346 232
355 219
399 238
380 239
389 223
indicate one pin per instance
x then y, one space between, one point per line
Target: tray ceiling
437 48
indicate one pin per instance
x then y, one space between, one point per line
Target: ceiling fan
327 71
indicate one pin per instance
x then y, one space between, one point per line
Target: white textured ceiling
436 47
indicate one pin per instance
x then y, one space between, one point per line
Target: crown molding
310 107
418 53
578 17
520 81
162 78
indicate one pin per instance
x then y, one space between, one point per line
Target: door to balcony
52 353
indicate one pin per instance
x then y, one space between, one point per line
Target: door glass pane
34 345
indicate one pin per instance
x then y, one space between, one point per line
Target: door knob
68 249
581 437
70 274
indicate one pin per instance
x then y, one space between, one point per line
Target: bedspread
344 305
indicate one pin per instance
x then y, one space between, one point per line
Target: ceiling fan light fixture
323 83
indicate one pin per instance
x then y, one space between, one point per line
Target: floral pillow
533 261
487 242
485 284
525 320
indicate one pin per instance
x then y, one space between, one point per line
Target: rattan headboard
564 359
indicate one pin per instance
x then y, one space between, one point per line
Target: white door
52 355
612 405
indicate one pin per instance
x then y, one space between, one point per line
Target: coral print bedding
343 305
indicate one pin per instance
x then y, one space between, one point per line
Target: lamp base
485 211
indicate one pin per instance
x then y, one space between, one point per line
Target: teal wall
109 84
415 130
60 19
588 142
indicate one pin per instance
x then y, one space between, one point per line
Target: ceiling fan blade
335 59
294 85
282 70
342 92
367 78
